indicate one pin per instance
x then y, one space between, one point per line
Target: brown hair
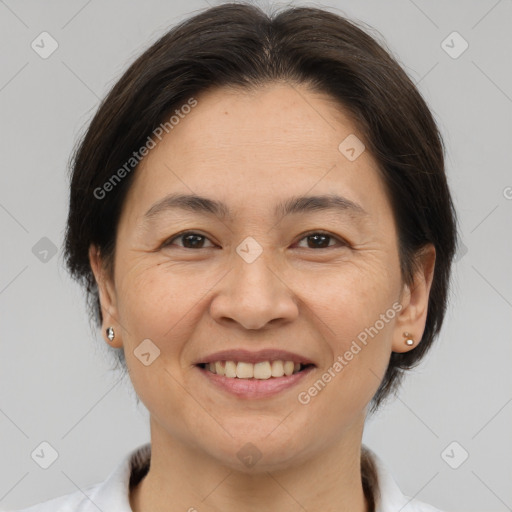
238 45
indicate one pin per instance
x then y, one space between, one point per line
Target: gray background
55 383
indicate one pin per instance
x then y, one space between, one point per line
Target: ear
107 296
413 315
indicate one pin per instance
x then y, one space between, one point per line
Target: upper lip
249 356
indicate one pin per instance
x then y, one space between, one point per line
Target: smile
260 380
262 370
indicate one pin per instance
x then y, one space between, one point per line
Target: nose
254 295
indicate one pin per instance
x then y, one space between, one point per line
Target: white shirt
112 495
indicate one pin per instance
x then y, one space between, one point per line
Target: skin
252 150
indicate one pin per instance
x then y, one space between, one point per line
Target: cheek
153 299
352 297
355 314
165 304
158 305
357 329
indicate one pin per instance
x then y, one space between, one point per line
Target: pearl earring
408 339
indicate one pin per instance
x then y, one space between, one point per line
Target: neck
181 478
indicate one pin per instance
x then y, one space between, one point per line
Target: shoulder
390 498
419 506
72 502
112 495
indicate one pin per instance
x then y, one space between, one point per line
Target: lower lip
255 388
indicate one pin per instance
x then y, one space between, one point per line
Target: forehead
256 145
267 117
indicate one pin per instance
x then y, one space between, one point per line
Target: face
265 278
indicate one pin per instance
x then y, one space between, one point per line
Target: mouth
263 370
247 375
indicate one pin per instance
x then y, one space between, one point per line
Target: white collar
113 493
392 498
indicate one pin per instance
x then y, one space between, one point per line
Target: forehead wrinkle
292 206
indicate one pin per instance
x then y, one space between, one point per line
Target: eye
320 240
194 240
190 239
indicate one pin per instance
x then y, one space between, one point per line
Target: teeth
288 367
219 368
245 370
277 369
230 369
263 370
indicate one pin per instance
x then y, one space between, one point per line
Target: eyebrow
293 205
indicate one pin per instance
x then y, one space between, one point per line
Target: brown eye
319 240
190 240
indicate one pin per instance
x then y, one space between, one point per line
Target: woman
260 215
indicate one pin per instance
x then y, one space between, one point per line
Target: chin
257 451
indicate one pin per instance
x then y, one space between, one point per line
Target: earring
408 339
110 333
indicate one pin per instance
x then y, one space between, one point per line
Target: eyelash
169 241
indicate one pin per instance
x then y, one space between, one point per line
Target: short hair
240 46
